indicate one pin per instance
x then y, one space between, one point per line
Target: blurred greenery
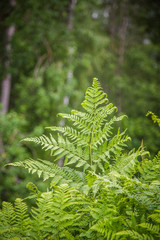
57 47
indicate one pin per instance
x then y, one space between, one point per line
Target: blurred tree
133 82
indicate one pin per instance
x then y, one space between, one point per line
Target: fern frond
7 214
150 169
118 142
114 146
135 235
78 122
98 118
104 133
126 163
66 148
41 167
104 229
21 216
88 144
154 118
55 212
15 221
62 148
156 216
47 170
109 151
96 114
152 228
47 143
94 97
71 133
34 192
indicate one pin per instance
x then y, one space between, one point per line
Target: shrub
103 191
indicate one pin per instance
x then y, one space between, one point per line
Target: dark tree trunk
6 82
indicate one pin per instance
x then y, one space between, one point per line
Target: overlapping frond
79 122
104 229
134 235
94 97
89 143
126 164
156 216
47 143
14 220
104 134
63 148
114 195
150 170
151 228
72 134
47 170
55 213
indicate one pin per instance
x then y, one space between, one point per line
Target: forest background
51 50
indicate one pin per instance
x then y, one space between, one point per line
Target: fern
14 220
126 164
154 118
105 220
102 191
154 229
87 144
134 235
55 214
46 142
150 170
47 170
156 216
146 231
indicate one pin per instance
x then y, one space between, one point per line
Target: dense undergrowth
103 191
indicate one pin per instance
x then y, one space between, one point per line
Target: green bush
103 191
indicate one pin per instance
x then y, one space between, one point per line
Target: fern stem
90 148
91 136
90 151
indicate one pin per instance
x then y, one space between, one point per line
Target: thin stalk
91 137
90 149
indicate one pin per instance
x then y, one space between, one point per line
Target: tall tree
6 83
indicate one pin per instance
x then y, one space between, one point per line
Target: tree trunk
6 83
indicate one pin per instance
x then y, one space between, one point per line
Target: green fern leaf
156 216
15 221
154 229
135 235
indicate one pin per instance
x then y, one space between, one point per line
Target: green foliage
11 127
13 180
89 143
47 170
60 214
44 52
14 220
154 118
150 170
103 191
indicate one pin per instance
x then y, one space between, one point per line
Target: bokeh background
49 53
